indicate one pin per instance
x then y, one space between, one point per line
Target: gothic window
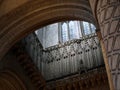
92 28
73 30
79 29
86 28
64 32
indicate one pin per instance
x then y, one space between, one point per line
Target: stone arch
10 81
35 14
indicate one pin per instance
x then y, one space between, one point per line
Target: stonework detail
10 81
108 16
58 61
31 70
94 80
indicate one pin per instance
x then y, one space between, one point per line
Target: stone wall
93 80
60 60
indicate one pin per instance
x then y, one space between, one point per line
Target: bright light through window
86 28
64 32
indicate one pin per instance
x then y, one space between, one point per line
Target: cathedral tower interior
59 44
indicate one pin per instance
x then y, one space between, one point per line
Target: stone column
105 60
107 13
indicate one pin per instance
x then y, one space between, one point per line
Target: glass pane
64 32
52 30
86 28
92 28
73 28
79 29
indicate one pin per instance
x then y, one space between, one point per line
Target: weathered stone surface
108 15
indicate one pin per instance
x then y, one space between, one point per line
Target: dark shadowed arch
10 81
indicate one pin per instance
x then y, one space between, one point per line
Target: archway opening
64 48
22 24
